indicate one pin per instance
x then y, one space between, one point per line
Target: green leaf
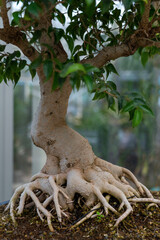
2 47
75 80
36 35
57 81
144 58
98 96
78 83
90 8
16 77
55 84
146 109
105 5
22 64
48 68
89 2
129 106
36 62
89 82
116 13
89 68
15 54
127 3
70 11
134 95
139 101
70 43
34 9
131 114
14 66
61 17
110 68
77 48
27 16
1 78
16 17
111 85
8 73
137 118
69 68
111 102
58 32
142 7
120 102
32 72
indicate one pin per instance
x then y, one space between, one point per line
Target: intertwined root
93 184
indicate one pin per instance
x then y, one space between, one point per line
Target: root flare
91 184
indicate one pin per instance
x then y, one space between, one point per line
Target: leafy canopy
87 27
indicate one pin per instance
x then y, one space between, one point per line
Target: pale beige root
105 183
145 200
89 215
97 181
92 183
47 184
56 190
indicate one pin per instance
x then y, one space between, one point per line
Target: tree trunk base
95 184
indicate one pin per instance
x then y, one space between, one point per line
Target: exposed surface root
87 216
95 184
47 185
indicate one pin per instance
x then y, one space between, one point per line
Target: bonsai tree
95 33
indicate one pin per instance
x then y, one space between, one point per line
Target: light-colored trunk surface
51 133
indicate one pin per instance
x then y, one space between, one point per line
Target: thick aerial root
92 184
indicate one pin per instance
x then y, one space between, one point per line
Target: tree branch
149 43
14 36
109 53
17 38
4 14
123 50
145 18
142 37
2 34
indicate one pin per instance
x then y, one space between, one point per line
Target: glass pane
22 125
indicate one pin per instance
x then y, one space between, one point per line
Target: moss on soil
142 224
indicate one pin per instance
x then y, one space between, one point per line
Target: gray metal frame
6 141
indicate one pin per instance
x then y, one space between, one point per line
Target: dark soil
142 224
